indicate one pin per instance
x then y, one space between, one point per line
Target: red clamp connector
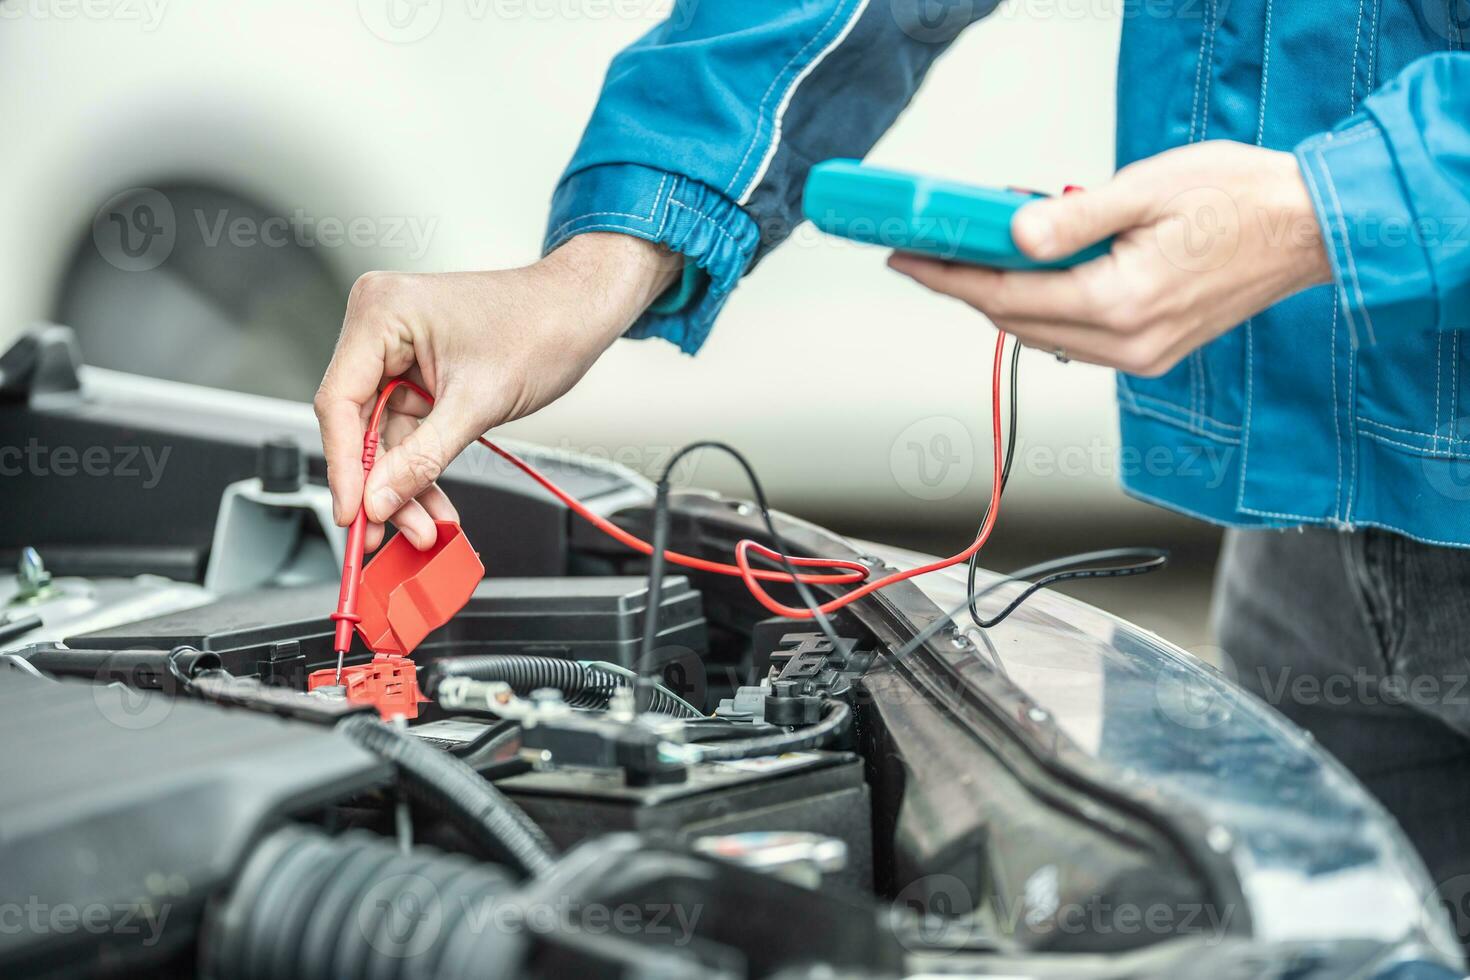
400 597
389 683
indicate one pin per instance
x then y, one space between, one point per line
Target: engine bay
531 795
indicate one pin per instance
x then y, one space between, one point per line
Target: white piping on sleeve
760 173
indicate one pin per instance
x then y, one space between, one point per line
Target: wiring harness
800 572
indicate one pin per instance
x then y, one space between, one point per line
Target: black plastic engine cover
122 811
282 634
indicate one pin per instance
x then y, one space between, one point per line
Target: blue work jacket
1346 405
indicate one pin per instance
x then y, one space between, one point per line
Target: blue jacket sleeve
1391 187
706 128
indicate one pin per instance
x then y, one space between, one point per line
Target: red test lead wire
346 616
840 572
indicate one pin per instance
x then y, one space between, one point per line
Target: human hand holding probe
490 347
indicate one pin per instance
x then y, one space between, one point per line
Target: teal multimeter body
913 213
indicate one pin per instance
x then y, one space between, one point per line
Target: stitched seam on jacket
1338 275
1373 48
1214 15
1353 76
1457 450
1176 411
1284 515
1438 373
1265 76
652 210
1339 301
1336 417
760 109
1245 445
713 223
1412 536
1199 67
1347 245
1180 424
778 119
1352 433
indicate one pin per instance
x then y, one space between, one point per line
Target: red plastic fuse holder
389 683
406 594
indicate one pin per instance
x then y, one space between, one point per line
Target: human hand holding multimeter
912 213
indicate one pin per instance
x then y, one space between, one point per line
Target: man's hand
489 346
1206 236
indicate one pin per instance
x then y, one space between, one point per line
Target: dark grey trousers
1363 639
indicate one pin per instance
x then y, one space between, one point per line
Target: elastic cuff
717 238
1371 233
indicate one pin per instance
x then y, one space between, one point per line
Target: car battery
814 792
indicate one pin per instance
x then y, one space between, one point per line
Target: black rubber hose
313 907
499 828
834 720
581 685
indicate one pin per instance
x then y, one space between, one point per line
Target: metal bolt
31 575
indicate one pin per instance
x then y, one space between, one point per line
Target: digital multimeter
913 213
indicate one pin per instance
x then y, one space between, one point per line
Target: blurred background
285 148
